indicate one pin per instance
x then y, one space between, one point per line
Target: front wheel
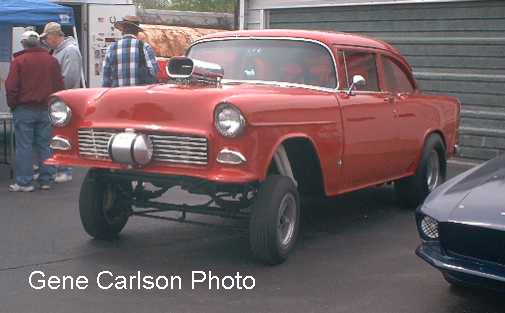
431 172
274 223
103 211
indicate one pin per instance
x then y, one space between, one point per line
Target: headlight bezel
59 122
218 122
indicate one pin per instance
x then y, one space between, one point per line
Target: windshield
276 60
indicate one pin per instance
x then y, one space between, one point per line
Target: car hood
184 107
155 105
475 197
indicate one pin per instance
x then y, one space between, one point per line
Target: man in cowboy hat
129 61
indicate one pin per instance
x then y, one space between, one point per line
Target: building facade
456 47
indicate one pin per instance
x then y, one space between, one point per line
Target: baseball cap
30 35
52 28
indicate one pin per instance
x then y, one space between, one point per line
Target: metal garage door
456 48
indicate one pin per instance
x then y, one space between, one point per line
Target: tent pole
83 81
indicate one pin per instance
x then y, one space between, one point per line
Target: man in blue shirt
129 61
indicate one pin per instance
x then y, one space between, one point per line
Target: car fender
419 156
281 140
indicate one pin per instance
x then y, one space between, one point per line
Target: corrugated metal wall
455 48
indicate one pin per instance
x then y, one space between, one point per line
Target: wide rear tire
431 172
103 213
275 219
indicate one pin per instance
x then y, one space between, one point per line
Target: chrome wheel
287 220
433 171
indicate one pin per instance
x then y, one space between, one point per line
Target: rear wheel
103 211
274 223
431 172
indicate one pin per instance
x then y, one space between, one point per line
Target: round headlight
229 120
59 113
429 227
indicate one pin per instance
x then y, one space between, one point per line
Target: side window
361 63
397 80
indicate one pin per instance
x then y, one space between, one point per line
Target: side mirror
357 81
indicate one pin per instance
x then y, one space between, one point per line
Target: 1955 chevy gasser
255 120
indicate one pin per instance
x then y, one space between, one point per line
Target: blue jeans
33 130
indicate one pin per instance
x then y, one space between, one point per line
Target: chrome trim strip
201 139
275 83
281 38
163 147
163 156
460 269
169 142
263 124
176 150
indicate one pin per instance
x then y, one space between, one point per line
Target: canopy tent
34 12
30 13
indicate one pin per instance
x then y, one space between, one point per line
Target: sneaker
62 178
36 172
18 188
44 187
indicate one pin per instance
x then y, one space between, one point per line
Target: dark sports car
462 225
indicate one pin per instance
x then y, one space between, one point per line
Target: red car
255 120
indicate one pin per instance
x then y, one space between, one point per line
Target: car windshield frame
277 83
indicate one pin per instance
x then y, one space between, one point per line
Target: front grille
169 148
473 241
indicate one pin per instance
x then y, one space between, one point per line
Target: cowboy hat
128 20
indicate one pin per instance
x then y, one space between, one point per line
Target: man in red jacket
34 75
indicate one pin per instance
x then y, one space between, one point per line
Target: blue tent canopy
34 12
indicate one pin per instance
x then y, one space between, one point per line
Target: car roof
327 37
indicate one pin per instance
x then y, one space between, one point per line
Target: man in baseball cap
66 51
30 36
33 76
52 28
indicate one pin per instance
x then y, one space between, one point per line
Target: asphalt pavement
355 254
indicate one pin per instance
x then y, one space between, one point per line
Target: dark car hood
474 197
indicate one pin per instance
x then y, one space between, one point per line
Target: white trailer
95 31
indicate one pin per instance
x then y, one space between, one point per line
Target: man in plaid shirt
130 61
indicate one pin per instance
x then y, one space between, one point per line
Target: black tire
92 212
411 191
264 235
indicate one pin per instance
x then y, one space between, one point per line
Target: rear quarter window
396 78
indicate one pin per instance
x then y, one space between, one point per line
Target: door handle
395 112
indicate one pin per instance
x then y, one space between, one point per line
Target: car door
367 115
407 106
